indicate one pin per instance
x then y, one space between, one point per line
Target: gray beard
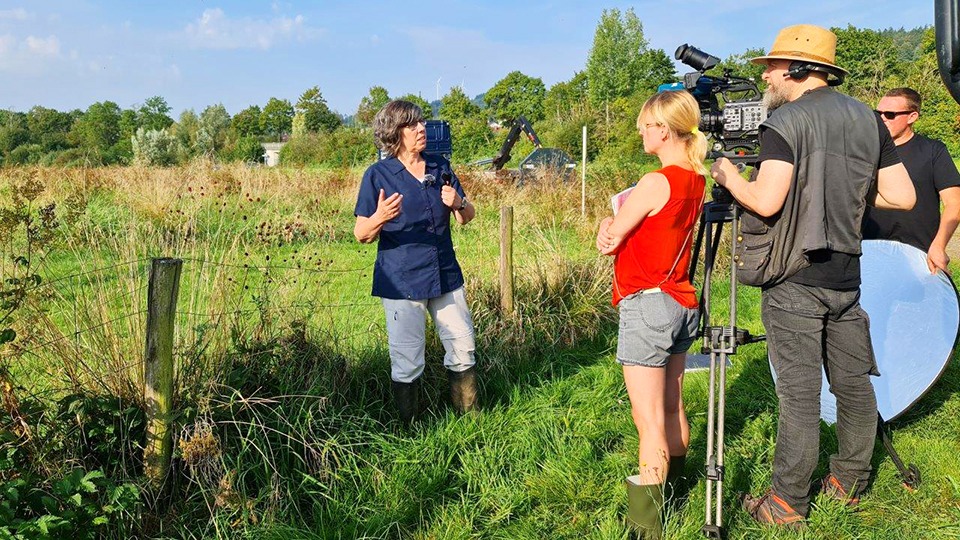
774 98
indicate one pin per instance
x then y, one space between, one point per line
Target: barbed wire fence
91 330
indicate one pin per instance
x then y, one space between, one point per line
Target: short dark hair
390 121
909 94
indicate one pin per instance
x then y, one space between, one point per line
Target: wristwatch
463 203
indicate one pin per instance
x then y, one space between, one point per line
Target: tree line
621 72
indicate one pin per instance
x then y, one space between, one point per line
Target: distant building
271 153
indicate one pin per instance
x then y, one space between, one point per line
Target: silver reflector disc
914 317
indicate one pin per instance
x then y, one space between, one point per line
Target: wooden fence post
506 258
158 367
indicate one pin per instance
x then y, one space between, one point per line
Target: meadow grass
285 422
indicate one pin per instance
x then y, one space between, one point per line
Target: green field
285 427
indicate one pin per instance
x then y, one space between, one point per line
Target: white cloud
32 55
18 14
43 47
215 30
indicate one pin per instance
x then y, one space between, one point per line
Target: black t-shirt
932 170
828 268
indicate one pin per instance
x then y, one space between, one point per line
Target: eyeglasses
414 124
890 115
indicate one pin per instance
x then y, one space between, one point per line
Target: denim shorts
652 327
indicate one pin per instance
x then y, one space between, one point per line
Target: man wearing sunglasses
934 176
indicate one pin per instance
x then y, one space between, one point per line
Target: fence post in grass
158 367
506 258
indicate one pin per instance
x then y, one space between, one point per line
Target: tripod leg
909 475
721 409
711 420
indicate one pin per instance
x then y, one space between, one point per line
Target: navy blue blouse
415 258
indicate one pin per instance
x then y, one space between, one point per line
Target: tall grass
285 427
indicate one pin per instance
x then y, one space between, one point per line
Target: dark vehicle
439 140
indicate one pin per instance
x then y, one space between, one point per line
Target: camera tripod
722 341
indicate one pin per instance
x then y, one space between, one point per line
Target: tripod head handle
740 159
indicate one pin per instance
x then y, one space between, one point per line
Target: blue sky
69 54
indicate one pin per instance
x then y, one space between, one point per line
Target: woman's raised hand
389 207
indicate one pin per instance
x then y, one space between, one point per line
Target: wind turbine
438 88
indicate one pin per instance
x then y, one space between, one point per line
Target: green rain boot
644 503
676 483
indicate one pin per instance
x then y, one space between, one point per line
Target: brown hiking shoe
769 509
832 488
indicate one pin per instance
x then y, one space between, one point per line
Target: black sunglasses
890 115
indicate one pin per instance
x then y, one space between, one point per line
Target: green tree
246 123
567 98
939 113
156 148
317 116
515 95
13 131
419 102
186 129
276 119
370 104
49 127
98 130
909 43
456 105
123 150
870 57
154 114
620 61
214 125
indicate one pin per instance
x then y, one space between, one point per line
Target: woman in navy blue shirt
405 203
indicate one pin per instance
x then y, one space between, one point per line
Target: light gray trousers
406 333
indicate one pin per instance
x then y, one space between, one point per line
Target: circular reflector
914 316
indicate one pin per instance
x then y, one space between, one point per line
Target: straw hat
804 42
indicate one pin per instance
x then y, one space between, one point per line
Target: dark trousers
807 328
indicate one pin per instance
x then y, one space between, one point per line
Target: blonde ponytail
697 151
679 111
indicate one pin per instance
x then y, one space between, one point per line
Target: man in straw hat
824 156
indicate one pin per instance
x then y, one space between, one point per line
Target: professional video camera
733 123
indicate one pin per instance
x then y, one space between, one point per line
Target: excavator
541 160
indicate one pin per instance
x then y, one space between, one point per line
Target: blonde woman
650 238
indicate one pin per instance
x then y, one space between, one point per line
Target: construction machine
540 161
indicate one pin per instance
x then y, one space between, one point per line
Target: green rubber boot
644 503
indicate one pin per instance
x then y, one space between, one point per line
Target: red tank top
657 252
